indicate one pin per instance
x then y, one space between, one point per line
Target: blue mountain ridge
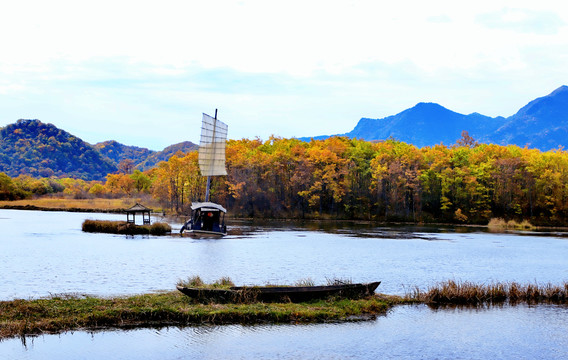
541 124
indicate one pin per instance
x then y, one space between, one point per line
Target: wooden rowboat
280 293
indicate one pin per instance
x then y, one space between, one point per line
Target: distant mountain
142 158
425 124
34 148
164 155
118 152
542 124
37 149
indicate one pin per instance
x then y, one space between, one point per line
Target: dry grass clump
462 293
305 282
158 228
196 282
103 226
336 281
502 224
224 281
192 281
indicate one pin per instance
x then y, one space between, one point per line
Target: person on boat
208 220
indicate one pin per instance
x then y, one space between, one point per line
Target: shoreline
70 209
163 213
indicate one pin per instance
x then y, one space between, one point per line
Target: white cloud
271 67
297 37
523 21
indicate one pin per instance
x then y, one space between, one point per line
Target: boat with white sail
208 218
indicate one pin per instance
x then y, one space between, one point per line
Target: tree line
384 181
347 178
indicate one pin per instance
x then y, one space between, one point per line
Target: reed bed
499 224
122 227
464 293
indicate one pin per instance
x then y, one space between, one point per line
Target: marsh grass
66 313
226 283
462 293
336 281
122 227
103 226
159 228
196 282
66 203
499 224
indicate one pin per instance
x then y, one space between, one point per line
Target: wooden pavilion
138 209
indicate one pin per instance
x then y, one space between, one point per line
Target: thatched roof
138 208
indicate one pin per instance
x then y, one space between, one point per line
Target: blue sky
142 72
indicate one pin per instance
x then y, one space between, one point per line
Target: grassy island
123 227
58 314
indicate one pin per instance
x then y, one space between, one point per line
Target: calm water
43 253
407 332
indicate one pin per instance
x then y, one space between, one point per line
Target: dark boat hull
205 234
280 293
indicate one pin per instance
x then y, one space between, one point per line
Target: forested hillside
154 158
42 150
30 147
118 152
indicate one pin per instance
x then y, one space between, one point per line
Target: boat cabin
206 218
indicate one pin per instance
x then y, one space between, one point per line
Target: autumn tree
10 190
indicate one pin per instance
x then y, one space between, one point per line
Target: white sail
212 147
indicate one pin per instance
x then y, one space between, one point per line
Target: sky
142 72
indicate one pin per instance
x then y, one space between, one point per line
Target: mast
209 176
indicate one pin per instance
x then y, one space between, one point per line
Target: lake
45 253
